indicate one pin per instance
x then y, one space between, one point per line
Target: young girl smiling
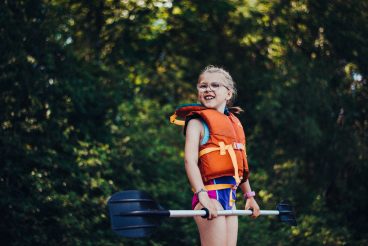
215 156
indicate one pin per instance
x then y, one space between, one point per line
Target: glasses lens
202 86
212 86
215 85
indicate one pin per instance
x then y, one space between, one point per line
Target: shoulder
194 124
194 131
194 127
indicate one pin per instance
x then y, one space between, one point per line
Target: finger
209 215
214 213
214 209
256 213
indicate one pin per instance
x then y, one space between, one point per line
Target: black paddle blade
286 213
134 213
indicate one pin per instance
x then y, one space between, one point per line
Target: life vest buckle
238 146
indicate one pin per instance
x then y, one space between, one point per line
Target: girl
215 157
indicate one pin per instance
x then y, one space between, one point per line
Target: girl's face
213 92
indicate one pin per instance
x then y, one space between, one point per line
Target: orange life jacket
224 153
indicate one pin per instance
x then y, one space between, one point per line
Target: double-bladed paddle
134 213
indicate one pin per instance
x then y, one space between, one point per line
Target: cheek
199 97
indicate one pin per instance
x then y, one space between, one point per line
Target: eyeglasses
214 86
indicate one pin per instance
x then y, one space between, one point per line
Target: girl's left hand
252 204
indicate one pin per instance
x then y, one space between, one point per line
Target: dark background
87 88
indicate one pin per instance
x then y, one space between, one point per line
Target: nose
208 88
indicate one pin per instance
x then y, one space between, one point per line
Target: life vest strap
173 120
219 186
229 148
239 146
222 187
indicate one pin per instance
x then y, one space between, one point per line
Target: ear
229 95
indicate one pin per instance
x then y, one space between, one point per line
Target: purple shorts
224 196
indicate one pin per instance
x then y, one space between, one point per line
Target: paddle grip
207 213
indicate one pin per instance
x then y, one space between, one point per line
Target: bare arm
192 139
191 154
245 187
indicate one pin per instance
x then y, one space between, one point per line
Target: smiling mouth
209 97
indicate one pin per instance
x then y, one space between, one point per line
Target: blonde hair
230 83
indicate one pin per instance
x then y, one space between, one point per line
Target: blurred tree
87 88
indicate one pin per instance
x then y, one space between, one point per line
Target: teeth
208 97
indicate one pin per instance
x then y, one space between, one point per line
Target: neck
221 108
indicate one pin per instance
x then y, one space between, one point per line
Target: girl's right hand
207 203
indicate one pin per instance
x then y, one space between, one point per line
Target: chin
208 104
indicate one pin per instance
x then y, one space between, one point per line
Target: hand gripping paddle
134 213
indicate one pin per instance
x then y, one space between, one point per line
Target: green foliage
87 88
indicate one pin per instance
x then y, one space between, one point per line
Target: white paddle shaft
191 213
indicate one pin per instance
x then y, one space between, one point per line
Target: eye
215 85
202 86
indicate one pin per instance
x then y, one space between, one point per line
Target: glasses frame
209 86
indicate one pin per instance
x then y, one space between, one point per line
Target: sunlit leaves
87 88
